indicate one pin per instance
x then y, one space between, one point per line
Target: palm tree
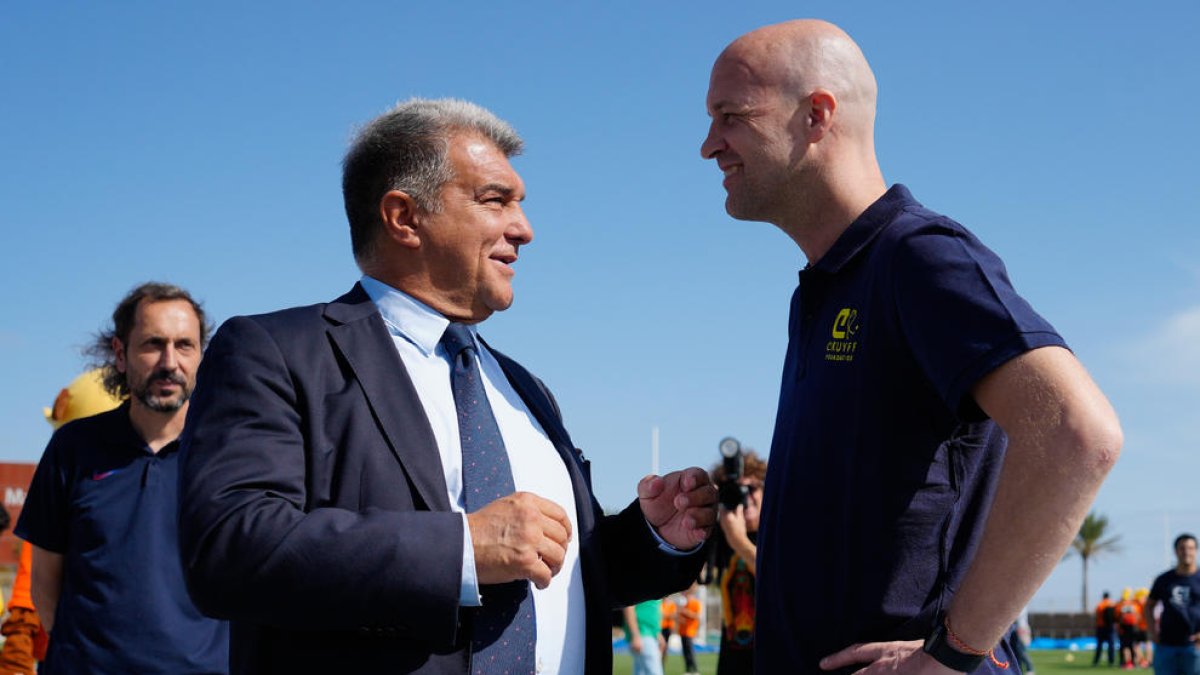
1093 540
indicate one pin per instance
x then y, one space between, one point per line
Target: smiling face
160 359
468 247
751 138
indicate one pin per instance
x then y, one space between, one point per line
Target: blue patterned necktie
504 634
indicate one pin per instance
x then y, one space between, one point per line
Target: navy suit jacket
314 513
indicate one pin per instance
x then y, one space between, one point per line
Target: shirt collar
132 439
407 317
864 228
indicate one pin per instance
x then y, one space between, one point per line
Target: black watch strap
938 646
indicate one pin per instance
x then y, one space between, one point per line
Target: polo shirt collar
407 317
130 436
864 228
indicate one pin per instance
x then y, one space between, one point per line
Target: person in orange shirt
689 626
1142 646
668 625
25 641
1128 614
1106 624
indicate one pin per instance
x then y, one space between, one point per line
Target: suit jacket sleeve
635 567
262 541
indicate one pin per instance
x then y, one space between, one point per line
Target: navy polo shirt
882 467
108 504
1180 619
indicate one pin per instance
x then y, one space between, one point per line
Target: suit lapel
536 398
360 335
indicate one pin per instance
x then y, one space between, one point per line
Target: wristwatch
938 646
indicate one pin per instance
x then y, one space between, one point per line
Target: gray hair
406 149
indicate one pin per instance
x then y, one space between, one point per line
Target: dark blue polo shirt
882 467
1180 618
108 504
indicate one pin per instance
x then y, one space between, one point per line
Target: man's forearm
1043 483
45 584
747 551
1063 438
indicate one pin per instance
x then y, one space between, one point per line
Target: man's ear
821 106
119 352
400 216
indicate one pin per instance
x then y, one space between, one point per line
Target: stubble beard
163 404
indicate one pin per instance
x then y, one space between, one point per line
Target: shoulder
273 331
288 319
80 435
920 234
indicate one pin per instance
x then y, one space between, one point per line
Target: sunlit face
1185 551
162 354
470 245
751 139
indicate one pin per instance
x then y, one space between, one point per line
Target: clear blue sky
200 143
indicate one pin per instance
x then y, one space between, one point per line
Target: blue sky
200 144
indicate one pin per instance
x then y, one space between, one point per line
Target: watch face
729 446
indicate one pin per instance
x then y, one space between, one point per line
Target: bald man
936 445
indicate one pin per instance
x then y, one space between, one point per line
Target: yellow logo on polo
843 345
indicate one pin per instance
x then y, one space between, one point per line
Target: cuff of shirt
468 592
664 545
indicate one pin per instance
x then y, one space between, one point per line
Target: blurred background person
1128 613
25 640
643 622
668 609
1177 634
1142 648
736 560
1106 627
687 624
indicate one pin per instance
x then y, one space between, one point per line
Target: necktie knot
457 338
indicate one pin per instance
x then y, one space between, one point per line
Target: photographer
741 497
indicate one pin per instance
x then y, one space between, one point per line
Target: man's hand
681 506
521 536
887 657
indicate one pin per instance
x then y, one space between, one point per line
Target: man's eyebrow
506 190
721 106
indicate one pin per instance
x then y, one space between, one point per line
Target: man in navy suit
331 458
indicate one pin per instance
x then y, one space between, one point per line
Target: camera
731 492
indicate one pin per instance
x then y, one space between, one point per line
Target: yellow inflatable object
85 396
1141 593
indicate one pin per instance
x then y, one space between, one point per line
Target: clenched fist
520 536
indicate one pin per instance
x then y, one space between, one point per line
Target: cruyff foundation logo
845 331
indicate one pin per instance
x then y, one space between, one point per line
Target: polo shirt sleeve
44 520
1158 590
959 312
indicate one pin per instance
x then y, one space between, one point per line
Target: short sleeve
959 312
1157 592
44 517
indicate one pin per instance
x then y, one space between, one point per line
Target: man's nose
168 359
519 231
713 143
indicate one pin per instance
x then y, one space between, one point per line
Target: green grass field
1045 662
